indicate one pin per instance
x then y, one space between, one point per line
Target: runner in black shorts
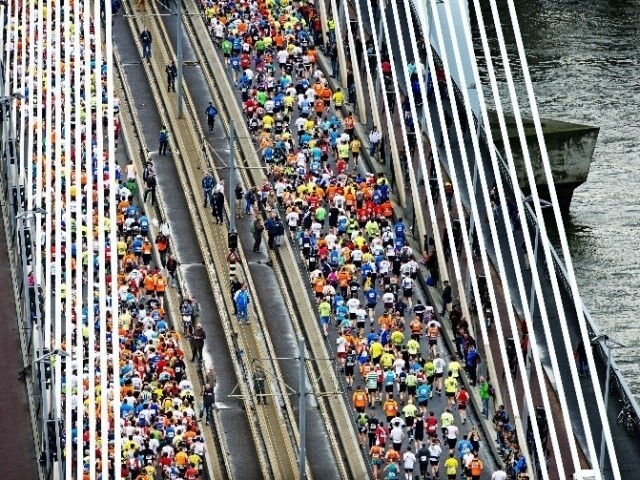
372 392
380 387
389 389
439 375
402 385
348 372
407 293
411 390
408 421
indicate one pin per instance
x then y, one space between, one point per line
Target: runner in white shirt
329 291
331 239
408 460
315 228
397 436
387 237
361 317
301 159
219 31
439 365
293 218
383 267
377 250
353 304
499 474
282 57
407 290
452 436
356 256
341 349
398 365
315 274
435 451
388 299
300 122
466 459
405 269
301 98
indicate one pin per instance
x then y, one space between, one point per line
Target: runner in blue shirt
423 393
372 300
400 229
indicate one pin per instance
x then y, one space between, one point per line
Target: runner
451 388
408 462
359 399
462 397
451 467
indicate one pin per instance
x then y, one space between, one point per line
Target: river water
584 60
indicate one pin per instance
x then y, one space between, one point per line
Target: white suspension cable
71 366
390 134
413 185
375 113
532 340
423 165
76 181
545 243
355 70
485 192
46 189
114 393
91 98
101 253
55 209
445 135
527 240
575 294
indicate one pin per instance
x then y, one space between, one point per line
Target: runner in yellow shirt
338 99
451 466
451 389
343 151
267 122
355 151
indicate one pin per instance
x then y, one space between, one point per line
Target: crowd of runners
361 268
158 420
410 405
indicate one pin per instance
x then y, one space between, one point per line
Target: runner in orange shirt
377 459
359 399
390 408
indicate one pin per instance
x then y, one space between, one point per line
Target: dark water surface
584 60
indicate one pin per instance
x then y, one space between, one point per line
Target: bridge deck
625 446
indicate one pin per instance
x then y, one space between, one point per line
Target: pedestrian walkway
19 454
